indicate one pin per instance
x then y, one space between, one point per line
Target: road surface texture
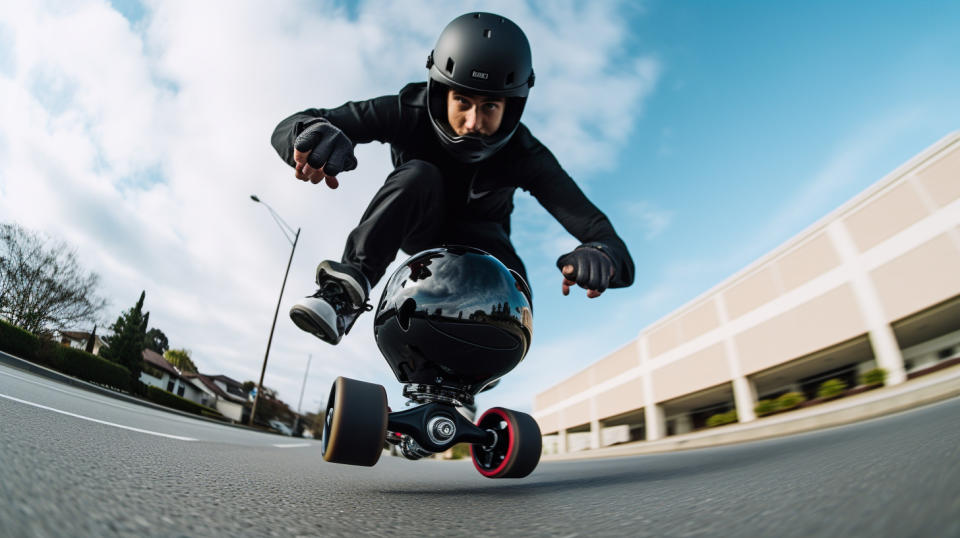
63 474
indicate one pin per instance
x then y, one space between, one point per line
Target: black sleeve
377 119
561 197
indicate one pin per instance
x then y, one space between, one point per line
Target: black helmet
483 54
454 313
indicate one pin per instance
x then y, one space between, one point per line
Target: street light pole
296 237
302 388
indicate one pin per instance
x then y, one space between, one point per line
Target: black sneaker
329 313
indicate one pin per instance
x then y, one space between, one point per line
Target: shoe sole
308 321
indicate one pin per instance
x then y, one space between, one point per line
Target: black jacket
482 191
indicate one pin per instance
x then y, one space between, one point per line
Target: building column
561 441
745 396
655 425
594 434
655 422
882 340
684 425
744 391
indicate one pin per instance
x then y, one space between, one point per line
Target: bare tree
42 286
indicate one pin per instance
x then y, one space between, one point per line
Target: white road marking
98 421
78 392
293 445
102 399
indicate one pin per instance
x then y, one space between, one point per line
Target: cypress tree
127 343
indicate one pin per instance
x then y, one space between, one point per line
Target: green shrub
460 451
722 418
789 400
18 342
831 388
876 376
168 399
765 407
88 367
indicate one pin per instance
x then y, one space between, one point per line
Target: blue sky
766 116
708 132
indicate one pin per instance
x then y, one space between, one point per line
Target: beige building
876 283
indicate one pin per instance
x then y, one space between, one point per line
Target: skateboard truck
436 427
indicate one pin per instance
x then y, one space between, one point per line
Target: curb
42 371
880 402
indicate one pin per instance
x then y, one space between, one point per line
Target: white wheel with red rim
516 449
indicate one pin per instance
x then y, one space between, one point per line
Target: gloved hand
321 152
588 267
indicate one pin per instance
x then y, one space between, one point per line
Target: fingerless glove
329 148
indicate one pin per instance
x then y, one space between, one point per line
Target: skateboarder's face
474 114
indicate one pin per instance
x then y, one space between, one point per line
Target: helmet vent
509 80
449 66
487 33
476 15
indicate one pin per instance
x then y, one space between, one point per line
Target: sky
708 132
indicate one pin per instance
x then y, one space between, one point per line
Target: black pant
414 211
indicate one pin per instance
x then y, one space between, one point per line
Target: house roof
208 381
226 379
234 387
76 335
80 335
152 357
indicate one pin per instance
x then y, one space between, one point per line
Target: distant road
73 463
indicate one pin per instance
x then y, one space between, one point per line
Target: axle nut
441 429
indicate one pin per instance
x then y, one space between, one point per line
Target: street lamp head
254 198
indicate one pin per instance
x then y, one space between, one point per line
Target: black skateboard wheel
355 425
516 451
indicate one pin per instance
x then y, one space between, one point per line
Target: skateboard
450 323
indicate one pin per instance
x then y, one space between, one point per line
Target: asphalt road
65 475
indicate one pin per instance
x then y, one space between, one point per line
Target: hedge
765 407
790 400
876 376
831 388
81 364
71 361
169 399
17 341
722 418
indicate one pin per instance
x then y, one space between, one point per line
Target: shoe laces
333 293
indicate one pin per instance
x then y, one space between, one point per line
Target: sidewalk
875 403
25 365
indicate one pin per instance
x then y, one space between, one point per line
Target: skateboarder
459 152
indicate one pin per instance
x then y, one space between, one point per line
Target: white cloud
140 145
652 219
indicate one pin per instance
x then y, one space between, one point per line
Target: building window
170 386
946 353
180 390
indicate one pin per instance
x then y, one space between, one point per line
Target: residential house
159 373
217 396
79 340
